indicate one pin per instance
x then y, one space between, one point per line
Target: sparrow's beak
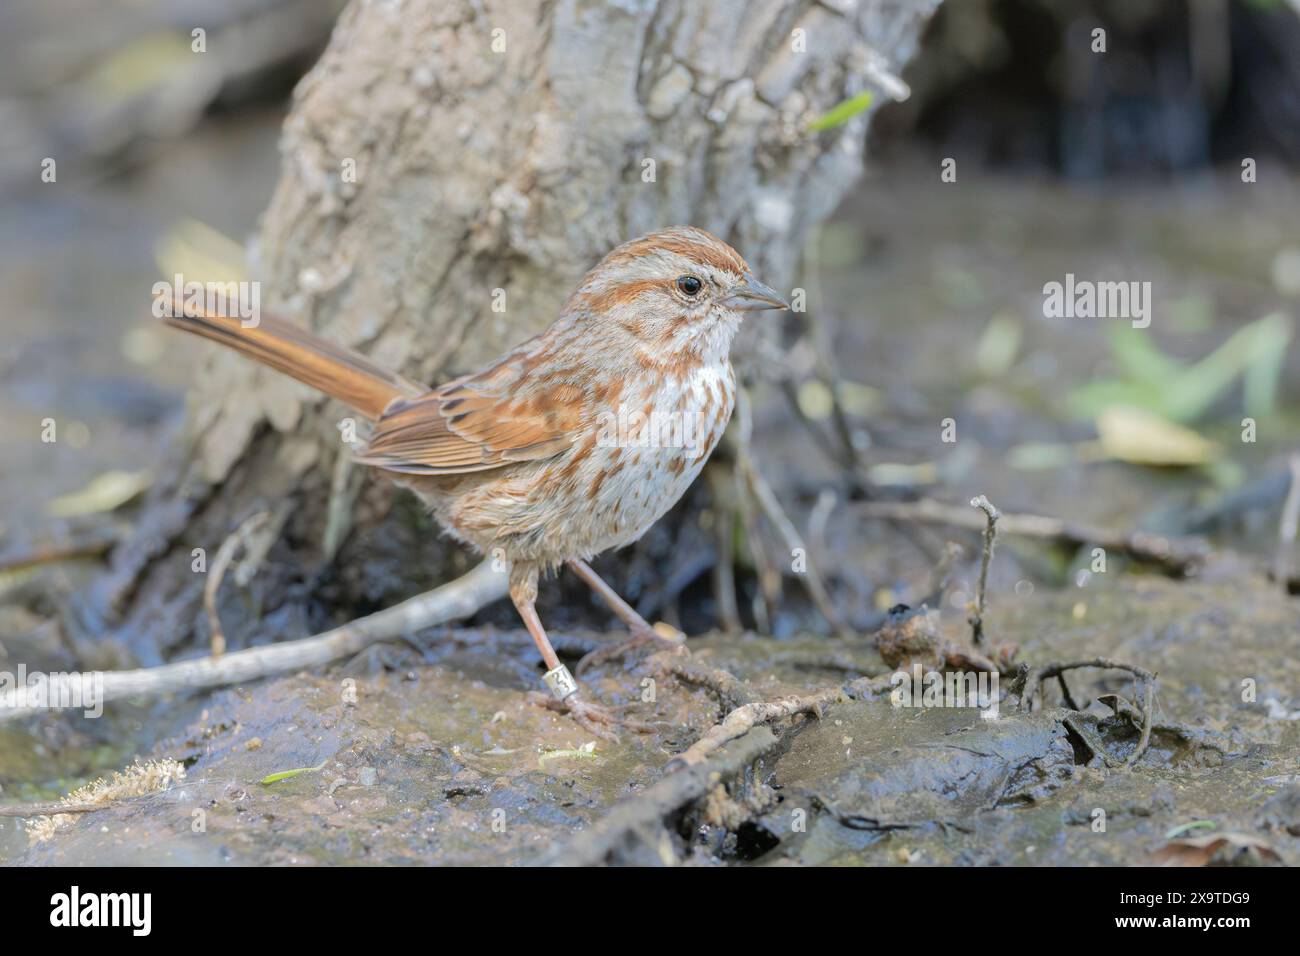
751 295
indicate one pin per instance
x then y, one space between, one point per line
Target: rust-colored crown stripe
690 243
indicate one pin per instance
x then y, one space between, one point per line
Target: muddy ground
442 759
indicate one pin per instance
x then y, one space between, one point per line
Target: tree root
1147 696
455 600
730 689
746 711
744 718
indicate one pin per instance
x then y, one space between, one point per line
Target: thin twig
1178 554
769 580
818 340
455 600
811 577
1065 692
771 507
95 546
864 688
1286 533
768 595
1148 689
724 570
1148 720
981 592
818 518
217 573
941 576
48 809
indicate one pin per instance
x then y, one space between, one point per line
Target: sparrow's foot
594 718
642 637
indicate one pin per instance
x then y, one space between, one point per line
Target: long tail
333 369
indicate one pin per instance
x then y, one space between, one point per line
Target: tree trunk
500 149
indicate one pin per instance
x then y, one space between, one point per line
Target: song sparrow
575 442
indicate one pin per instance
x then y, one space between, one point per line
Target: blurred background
1174 159
929 296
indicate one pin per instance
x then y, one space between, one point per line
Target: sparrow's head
679 289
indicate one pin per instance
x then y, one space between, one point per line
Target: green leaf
1188 827
1142 362
286 774
842 112
1150 380
586 752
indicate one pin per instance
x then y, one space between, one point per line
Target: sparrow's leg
560 683
634 621
642 632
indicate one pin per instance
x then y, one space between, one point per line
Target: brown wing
476 424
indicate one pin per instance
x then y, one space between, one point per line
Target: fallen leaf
286 774
105 492
1216 849
1189 827
1144 438
998 345
586 752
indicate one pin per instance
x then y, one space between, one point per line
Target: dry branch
639 820
1287 527
48 808
754 483
991 515
217 573
1175 553
94 545
744 718
455 600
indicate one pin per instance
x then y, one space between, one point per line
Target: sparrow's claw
595 718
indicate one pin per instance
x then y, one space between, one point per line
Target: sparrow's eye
690 285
